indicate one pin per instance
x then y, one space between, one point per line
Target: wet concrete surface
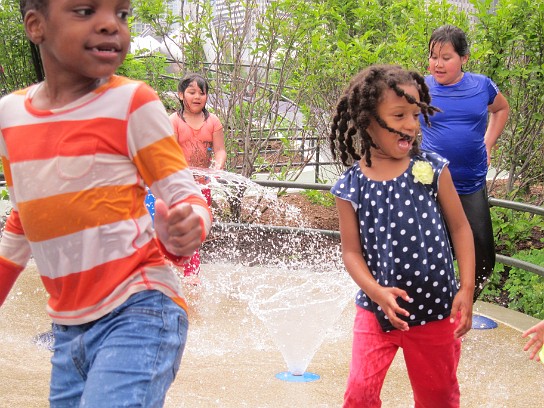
231 361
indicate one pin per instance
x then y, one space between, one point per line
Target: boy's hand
179 228
387 299
462 310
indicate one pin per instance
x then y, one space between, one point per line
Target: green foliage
149 68
526 289
17 69
493 288
323 198
508 46
133 68
519 289
506 232
512 228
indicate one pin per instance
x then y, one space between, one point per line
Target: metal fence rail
505 260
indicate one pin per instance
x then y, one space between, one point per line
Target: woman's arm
498 115
356 266
463 244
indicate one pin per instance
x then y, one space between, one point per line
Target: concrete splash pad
231 361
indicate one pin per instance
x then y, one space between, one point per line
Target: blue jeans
128 358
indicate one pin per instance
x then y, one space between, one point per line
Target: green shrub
323 198
526 289
512 227
523 290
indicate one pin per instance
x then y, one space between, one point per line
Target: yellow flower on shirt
423 172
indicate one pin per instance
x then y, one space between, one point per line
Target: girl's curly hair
358 105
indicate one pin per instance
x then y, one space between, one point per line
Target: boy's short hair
26 5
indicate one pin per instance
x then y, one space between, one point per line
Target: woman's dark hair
450 34
184 83
359 103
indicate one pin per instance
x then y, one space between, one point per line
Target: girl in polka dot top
396 205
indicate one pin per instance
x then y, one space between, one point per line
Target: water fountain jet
298 310
302 288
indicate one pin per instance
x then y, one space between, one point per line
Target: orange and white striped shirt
76 178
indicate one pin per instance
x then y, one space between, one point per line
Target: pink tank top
196 142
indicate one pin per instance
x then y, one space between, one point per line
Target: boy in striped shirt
78 150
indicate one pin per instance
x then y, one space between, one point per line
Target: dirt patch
313 215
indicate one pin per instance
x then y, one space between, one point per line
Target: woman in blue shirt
474 114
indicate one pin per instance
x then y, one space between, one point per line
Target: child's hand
178 228
462 310
387 299
535 343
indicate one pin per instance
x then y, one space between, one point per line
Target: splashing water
298 307
238 199
294 279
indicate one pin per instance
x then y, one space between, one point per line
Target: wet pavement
231 361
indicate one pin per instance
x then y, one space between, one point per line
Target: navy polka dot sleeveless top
404 239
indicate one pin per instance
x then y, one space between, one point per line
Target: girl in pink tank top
200 135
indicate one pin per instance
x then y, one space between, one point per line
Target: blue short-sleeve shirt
457 132
404 239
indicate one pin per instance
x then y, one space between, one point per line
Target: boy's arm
356 266
161 163
9 272
463 244
14 254
180 230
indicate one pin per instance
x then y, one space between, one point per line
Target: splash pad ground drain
483 323
306 377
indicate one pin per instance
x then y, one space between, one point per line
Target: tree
249 53
509 47
20 65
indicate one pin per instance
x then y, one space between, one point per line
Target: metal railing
503 259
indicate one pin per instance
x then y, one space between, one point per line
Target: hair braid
426 108
358 106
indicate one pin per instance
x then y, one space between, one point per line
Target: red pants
431 354
193 266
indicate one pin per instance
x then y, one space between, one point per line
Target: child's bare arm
536 342
463 244
358 269
219 151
